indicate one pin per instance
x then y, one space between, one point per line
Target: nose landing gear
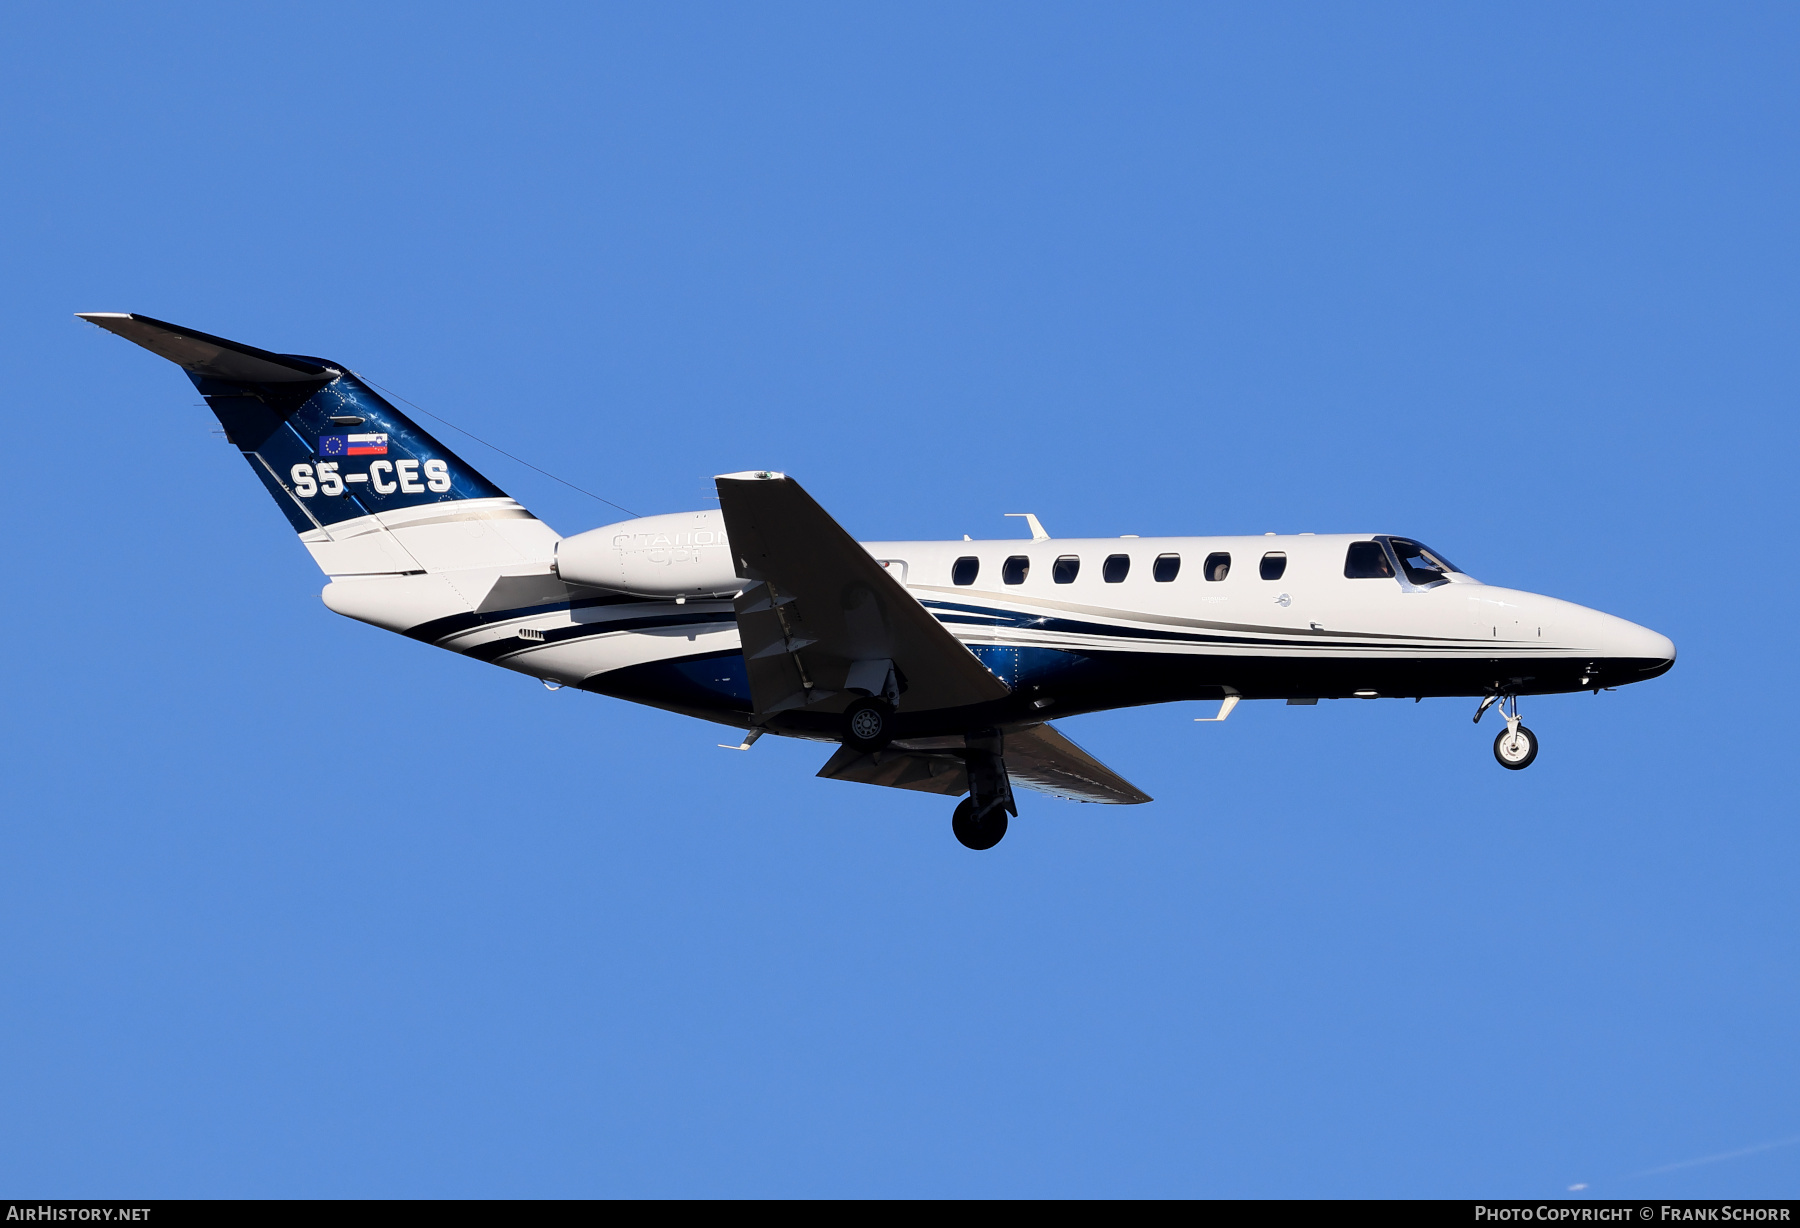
1515 747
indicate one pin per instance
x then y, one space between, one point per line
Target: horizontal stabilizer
205 354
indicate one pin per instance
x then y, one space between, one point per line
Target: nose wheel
1515 746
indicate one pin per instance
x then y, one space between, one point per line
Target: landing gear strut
1515 746
980 818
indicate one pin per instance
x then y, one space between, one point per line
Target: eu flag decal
353 445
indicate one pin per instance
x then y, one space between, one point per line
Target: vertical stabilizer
369 491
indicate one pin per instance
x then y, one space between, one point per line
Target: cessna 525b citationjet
931 665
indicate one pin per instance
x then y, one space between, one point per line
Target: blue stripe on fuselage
987 616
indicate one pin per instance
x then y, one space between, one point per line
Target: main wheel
1515 750
976 833
868 725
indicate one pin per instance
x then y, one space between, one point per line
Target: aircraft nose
1652 652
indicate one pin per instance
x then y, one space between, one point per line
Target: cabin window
1166 568
1015 570
1066 568
1423 566
1274 564
965 571
1367 561
1218 566
1116 568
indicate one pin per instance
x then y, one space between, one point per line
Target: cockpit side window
1424 567
1367 561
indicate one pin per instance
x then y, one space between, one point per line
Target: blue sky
296 907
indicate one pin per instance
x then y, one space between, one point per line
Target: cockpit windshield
1423 565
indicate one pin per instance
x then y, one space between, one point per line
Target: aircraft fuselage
1067 639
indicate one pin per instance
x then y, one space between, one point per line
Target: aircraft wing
927 771
1039 758
821 612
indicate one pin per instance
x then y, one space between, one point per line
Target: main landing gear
868 724
980 818
974 830
1515 747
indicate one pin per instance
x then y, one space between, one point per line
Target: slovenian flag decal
353 445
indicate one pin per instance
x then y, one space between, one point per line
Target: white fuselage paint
486 574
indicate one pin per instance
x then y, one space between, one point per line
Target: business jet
931 666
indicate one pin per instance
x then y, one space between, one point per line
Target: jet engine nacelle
683 554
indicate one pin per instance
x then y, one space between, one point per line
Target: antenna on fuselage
1037 530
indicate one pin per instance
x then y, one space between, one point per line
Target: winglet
1037 530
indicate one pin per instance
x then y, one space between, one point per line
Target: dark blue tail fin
325 445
